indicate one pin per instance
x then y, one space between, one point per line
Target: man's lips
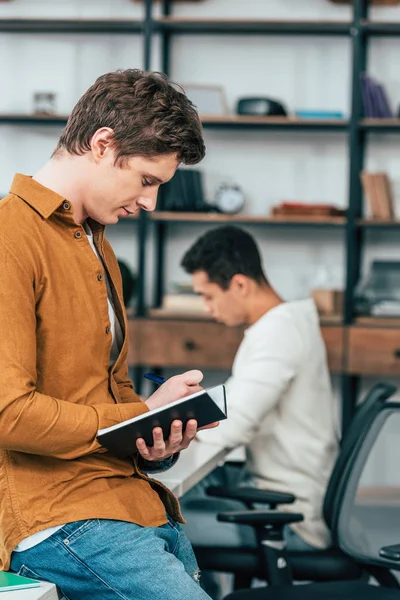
127 213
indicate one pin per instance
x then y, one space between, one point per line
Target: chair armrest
260 517
250 495
390 552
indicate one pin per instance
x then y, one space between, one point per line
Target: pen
155 378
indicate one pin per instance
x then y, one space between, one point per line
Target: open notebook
205 407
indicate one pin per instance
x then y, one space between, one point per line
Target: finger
210 426
190 433
143 448
192 377
176 435
158 442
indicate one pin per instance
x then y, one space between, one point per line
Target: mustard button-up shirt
56 386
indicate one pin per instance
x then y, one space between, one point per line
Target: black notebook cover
205 406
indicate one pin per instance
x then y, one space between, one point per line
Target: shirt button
66 206
77 234
100 277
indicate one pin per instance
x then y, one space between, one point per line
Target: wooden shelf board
282 121
161 313
243 218
376 223
207 120
32 118
380 124
384 322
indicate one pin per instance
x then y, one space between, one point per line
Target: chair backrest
368 523
362 420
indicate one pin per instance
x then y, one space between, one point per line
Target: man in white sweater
280 401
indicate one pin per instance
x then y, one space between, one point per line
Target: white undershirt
117 341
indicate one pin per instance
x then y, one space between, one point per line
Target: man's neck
61 175
262 301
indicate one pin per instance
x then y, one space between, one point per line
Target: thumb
192 377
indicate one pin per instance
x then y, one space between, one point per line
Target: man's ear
240 284
102 143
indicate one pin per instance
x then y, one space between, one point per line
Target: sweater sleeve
30 421
265 365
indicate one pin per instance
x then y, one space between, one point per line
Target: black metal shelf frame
234 27
71 26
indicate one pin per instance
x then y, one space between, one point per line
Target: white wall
304 72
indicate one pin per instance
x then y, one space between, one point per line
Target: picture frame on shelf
208 99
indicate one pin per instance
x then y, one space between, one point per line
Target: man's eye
146 183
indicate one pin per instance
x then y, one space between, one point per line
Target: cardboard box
329 302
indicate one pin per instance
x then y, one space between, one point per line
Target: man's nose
149 201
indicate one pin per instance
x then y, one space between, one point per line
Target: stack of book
304 209
184 193
378 195
183 303
376 104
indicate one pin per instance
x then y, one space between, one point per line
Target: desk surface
193 465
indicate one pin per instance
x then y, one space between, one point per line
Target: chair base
338 590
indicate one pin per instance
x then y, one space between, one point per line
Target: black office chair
365 521
331 564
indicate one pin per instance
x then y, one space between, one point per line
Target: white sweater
280 406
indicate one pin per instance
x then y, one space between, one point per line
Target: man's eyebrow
153 177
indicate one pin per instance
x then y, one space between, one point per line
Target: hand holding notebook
203 406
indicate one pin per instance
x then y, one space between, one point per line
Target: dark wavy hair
224 252
148 115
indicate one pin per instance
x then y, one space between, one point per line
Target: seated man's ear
240 285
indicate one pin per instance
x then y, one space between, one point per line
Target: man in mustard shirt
70 512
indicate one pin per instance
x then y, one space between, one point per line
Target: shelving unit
341 335
357 130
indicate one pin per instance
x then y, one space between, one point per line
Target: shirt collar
39 197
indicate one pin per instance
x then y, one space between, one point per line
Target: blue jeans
110 560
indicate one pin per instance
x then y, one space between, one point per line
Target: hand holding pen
172 389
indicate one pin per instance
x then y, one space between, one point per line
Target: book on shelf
375 100
183 303
378 195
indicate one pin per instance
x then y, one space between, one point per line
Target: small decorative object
229 198
208 99
44 103
261 107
